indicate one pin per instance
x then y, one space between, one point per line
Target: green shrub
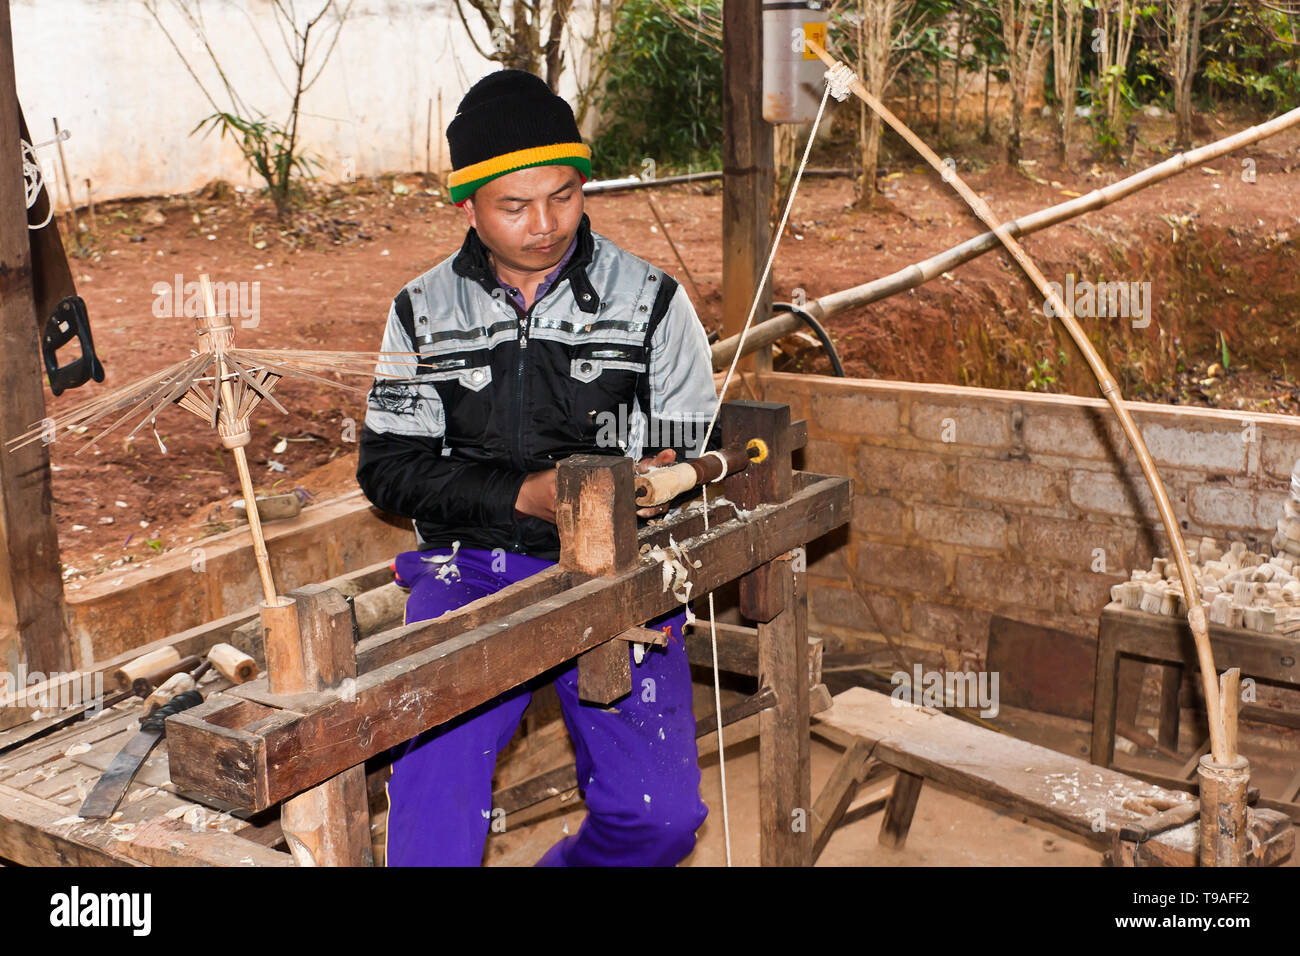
663 94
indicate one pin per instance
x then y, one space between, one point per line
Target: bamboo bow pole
918 273
1219 738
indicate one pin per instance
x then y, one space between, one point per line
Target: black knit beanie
510 120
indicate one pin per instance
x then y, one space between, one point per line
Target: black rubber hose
818 330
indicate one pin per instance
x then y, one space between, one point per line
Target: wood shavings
68 821
201 818
448 570
135 796
77 749
123 832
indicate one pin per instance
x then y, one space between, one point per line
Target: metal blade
111 788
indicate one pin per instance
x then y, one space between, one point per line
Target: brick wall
971 502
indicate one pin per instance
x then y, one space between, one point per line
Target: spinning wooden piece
664 484
221 384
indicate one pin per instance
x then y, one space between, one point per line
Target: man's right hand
537 496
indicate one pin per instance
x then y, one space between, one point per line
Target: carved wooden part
143 665
595 514
605 673
233 664
283 647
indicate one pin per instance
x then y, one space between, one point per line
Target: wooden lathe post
775 596
309 648
596 518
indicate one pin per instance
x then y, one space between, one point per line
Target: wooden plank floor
43 783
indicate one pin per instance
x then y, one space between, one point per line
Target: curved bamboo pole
918 273
1109 389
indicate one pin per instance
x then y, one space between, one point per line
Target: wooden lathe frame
301 733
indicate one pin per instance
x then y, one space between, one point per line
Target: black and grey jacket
611 360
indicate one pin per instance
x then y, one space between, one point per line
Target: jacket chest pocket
466 397
587 370
602 395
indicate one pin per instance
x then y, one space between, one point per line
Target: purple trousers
637 764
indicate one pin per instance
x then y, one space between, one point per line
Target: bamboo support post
1223 831
1109 389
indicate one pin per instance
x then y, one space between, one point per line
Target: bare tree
1067 35
1174 30
519 43
589 52
1113 42
272 149
1022 33
879 26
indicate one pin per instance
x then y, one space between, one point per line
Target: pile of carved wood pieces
1238 588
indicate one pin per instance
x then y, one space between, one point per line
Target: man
539 339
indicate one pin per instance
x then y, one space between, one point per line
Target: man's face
528 217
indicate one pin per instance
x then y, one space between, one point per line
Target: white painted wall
106 70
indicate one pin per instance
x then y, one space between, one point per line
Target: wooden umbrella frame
221 384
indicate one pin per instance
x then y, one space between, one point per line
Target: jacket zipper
517 446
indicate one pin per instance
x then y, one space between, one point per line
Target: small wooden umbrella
221 384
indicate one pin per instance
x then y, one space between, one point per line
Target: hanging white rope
838 81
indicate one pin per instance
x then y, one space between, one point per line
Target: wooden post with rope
774 595
748 169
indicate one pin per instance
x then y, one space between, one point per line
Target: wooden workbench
1167 641
43 783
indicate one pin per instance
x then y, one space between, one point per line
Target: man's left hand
665 457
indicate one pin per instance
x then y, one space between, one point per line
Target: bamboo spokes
1219 737
143 394
222 385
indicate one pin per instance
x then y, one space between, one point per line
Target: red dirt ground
1220 252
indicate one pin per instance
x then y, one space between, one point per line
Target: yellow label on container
817 32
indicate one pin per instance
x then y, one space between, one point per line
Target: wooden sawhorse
1137 822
